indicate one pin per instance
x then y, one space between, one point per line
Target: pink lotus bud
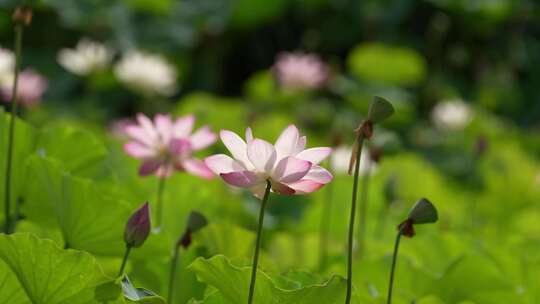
300 71
30 89
138 227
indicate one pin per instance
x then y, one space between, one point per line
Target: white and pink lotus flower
287 165
165 145
300 71
30 88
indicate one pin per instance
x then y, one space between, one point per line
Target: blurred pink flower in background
300 71
165 145
290 168
30 87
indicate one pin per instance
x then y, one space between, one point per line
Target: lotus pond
269 152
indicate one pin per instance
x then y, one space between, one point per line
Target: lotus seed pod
380 109
423 212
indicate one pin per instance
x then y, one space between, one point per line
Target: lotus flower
7 62
165 145
30 87
87 57
290 168
299 71
451 115
341 157
146 73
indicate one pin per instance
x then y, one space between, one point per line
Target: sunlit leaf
48 274
378 62
80 151
90 216
10 288
233 283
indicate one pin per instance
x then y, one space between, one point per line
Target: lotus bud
138 227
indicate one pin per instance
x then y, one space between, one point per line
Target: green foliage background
77 187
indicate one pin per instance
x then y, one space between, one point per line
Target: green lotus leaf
232 282
47 273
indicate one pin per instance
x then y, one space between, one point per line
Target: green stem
363 212
124 261
172 273
394 259
258 244
16 214
11 136
159 204
325 225
360 140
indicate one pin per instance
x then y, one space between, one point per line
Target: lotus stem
172 273
392 271
11 136
363 212
360 139
124 260
258 243
159 204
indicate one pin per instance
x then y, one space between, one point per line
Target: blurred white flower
30 88
7 63
87 57
300 71
340 157
147 73
451 115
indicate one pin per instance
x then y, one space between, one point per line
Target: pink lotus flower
290 168
30 87
300 71
165 145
